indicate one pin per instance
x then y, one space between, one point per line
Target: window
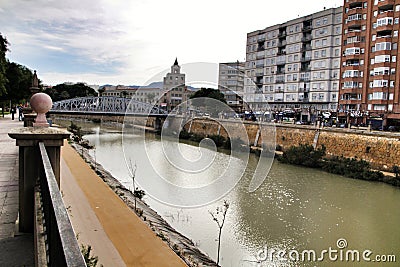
381 71
351 73
393 58
381 59
384 21
397 8
383 46
353 17
380 83
337 52
352 51
395 33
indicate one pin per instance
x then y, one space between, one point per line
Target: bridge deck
16 248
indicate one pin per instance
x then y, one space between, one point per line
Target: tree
3 64
209 93
132 172
204 100
219 217
66 91
19 81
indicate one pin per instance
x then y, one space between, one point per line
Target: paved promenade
103 220
16 249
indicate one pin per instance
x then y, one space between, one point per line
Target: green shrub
352 168
218 140
184 134
304 155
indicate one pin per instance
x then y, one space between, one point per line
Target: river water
295 209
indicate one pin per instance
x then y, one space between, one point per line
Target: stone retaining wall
381 149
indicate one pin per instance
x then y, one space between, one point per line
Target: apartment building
295 65
231 83
369 84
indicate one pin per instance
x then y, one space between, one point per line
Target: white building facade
231 83
295 65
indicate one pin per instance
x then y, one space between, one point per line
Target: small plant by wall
304 155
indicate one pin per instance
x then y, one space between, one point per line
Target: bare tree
219 217
132 172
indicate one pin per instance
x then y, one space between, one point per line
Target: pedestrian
20 116
12 112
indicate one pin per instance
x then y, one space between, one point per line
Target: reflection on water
295 208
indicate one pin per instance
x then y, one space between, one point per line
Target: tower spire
176 61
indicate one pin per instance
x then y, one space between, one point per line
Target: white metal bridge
106 105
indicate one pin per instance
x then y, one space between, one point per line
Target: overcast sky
129 41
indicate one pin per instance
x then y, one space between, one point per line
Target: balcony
280 71
384 5
260 56
261 39
384 14
260 65
307 28
282 34
304 90
280 81
306 48
281 61
350 90
280 90
304 79
307 38
354 24
304 69
282 44
259 72
259 84
305 59
281 52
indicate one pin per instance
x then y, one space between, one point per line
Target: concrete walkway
103 220
16 249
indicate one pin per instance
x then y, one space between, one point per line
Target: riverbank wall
380 149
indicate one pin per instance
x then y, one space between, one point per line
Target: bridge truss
105 104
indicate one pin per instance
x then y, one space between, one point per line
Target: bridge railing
105 104
62 247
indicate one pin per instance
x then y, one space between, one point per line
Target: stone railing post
30 165
30 160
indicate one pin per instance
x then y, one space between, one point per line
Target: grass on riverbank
307 156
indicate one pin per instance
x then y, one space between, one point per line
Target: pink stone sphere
41 102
